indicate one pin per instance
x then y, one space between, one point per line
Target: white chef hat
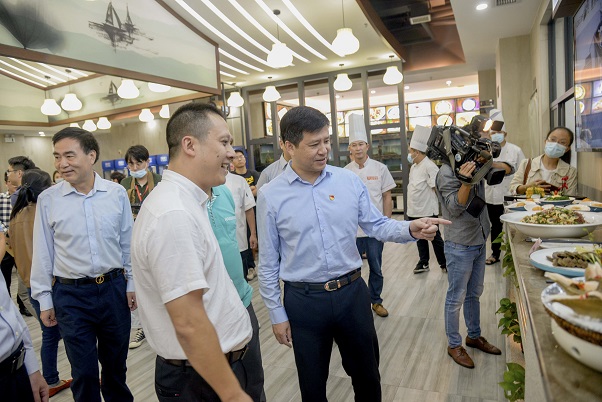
420 138
496 115
357 128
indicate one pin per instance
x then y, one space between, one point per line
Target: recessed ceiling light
41 133
481 6
373 92
448 82
337 96
406 87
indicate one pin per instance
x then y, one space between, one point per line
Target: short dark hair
240 151
117 175
34 181
190 119
300 119
137 153
86 140
567 155
21 163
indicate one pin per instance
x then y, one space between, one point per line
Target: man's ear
188 145
290 147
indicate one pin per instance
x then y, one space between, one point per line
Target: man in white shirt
510 157
245 214
379 182
190 310
275 168
422 198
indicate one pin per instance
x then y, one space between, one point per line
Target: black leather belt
331 285
232 357
14 362
112 274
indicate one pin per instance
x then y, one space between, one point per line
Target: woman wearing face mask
548 170
56 177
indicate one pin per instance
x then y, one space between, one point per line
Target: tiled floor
414 363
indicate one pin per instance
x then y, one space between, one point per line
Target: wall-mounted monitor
588 76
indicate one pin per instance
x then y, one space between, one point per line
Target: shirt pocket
110 226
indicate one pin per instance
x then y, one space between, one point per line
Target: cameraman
465 246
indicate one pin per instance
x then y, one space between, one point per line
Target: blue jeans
374 251
50 346
465 273
94 321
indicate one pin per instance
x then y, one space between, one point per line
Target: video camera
455 146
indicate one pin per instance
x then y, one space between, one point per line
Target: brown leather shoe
380 310
460 356
482 344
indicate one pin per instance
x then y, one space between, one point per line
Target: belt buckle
100 279
332 285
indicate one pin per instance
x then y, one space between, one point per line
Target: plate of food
594 206
393 113
554 222
534 206
520 205
557 200
377 113
566 261
443 107
578 207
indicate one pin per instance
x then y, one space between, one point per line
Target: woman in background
550 171
56 177
20 239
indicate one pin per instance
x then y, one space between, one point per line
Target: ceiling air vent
504 2
420 20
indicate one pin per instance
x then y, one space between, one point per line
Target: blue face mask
554 149
138 174
497 137
410 159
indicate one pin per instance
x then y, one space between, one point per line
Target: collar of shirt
282 163
357 166
99 185
181 181
291 175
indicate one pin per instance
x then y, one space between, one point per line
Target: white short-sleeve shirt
174 252
513 155
378 180
422 199
243 201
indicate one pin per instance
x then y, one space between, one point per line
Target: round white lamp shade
342 83
393 76
158 87
345 43
70 103
271 94
50 107
235 100
89 125
146 115
164 112
74 125
280 56
103 123
128 90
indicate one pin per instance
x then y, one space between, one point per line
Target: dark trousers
94 314
244 256
494 212
16 386
374 254
438 247
319 317
50 345
253 367
8 262
184 384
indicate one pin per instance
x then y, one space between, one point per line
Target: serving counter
551 373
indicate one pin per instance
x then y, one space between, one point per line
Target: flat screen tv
588 76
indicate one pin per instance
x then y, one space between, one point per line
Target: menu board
419 109
463 119
442 107
467 105
393 114
419 121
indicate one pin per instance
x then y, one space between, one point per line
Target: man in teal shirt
223 221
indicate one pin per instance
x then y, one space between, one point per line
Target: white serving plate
553 231
584 352
539 259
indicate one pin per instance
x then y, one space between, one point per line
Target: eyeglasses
240 156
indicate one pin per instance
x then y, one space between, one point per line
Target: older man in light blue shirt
81 272
307 220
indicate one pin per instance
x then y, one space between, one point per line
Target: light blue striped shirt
80 235
307 231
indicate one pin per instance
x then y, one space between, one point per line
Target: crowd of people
168 257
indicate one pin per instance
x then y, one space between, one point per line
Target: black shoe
421 268
25 313
444 269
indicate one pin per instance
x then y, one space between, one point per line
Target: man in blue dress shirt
81 272
307 219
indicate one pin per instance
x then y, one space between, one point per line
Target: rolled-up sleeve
269 260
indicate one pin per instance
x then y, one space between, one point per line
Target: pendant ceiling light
164 112
103 123
280 55
393 76
271 94
146 115
235 100
70 103
50 107
345 42
158 87
127 89
342 83
89 126
74 125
